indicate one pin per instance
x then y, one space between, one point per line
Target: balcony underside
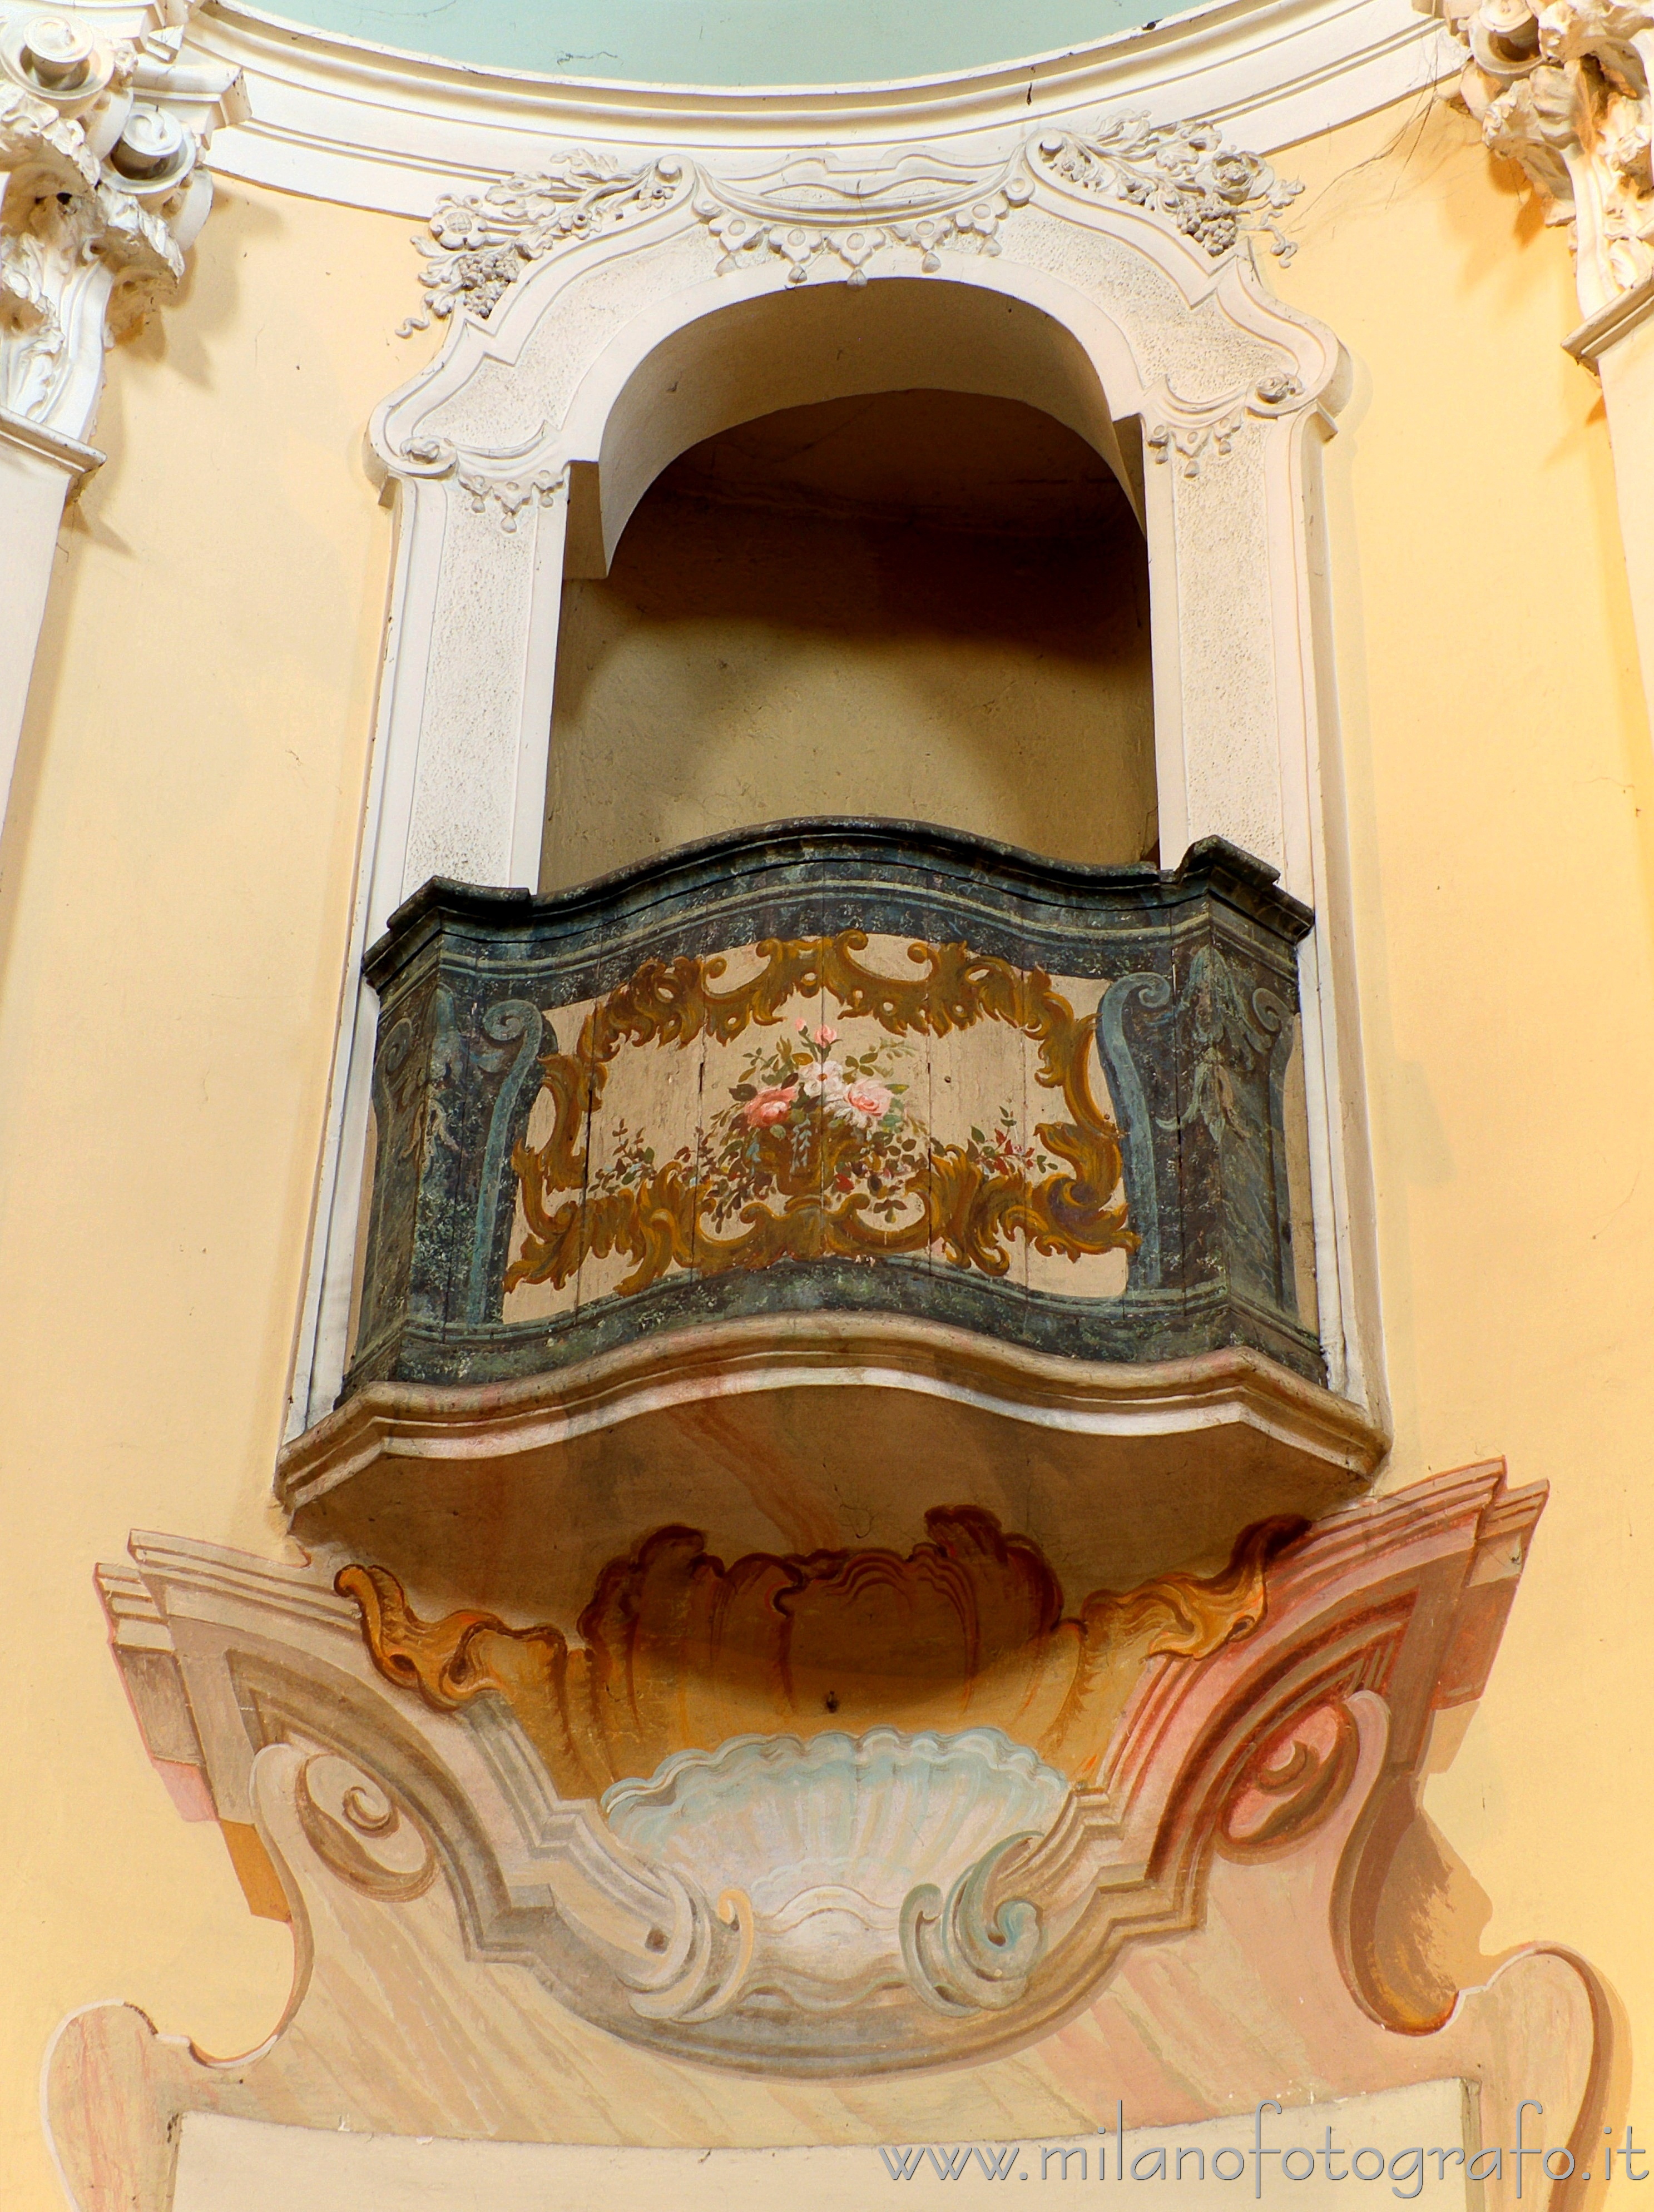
794 1432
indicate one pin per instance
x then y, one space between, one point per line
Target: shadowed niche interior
920 604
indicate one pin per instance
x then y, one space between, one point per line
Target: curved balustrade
851 1066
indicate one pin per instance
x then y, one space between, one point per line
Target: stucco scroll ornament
477 471
820 211
815 210
1191 437
1563 89
1182 172
484 244
101 149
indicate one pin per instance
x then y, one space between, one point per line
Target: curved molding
372 127
984 1383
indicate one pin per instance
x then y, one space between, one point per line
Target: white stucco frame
680 304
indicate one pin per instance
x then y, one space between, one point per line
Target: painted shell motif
846 1860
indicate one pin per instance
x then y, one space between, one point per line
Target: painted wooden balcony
840 1068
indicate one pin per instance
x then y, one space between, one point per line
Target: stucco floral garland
1182 172
809 210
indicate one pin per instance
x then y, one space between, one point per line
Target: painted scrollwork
1231 1029
906 1882
701 1969
955 1198
680 1652
357 1829
1294 1779
962 1956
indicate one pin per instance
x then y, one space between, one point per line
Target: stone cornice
1622 315
75 460
368 126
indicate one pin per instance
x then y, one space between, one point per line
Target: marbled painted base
850 1066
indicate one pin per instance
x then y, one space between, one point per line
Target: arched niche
673 302
805 344
918 604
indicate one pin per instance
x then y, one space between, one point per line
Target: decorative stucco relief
820 209
102 130
1563 89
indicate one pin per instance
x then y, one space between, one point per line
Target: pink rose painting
806 1119
869 1101
769 1106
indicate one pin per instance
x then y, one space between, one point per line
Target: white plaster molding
102 191
814 208
76 460
1562 88
102 130
371 127
1625 313
603 317
39 469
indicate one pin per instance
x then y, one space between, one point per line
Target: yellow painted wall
173 888
1502 833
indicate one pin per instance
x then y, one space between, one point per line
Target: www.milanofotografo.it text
1405 2171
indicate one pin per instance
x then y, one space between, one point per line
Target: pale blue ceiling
728 42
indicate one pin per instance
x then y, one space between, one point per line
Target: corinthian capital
1564 90
102 129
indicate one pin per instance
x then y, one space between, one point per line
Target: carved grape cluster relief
1182 172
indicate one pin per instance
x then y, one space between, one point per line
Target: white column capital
102 191
1562 86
